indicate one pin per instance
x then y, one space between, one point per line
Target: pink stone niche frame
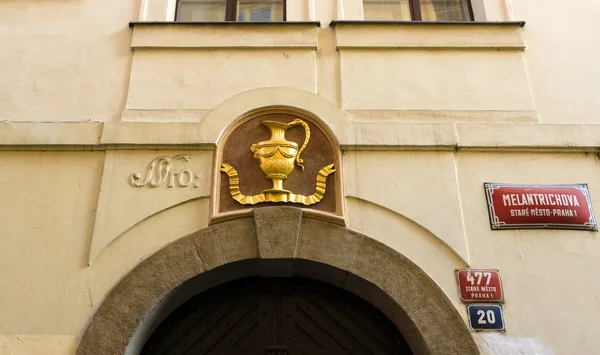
334 194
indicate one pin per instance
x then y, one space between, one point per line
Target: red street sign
480 285
540 206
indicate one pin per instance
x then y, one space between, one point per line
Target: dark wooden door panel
276 317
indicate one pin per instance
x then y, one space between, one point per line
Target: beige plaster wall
38 345
398 181
176 79
122 205
550 287
416 205
64 60
494 10
70 61
434 80
409 238
47 290
141 241
44 293
550 290
562 40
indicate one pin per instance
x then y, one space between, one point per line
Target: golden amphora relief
278 157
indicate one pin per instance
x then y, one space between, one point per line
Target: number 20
486 317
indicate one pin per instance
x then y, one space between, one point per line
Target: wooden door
276 317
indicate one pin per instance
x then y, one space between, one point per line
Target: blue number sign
485 317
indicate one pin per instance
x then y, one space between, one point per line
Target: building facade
155 151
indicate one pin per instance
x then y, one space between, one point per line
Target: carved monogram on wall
160 172
278 158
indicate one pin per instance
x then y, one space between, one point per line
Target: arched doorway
274 242
276 316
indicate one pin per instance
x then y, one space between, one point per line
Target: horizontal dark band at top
223 23
463 23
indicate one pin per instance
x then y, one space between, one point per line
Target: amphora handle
299 122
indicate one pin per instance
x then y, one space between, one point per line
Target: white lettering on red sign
540 200
555 212
480 285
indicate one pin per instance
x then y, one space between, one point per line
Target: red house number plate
480 285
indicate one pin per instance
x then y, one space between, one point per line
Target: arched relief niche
278 156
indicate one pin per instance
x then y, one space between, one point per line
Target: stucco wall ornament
278 157
160 171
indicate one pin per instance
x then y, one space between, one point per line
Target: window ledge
428 35
429 23
223 23
224 35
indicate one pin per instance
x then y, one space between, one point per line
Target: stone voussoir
277 231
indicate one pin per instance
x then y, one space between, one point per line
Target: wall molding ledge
523 137
224 35
429 35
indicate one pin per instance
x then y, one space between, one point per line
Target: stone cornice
359 136
428 35
224 35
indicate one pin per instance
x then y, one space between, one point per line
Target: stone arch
280 241
230 110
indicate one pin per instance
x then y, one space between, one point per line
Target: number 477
479 275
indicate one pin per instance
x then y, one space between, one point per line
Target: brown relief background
318 154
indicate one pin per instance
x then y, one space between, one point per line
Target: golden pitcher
278 158
277 155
